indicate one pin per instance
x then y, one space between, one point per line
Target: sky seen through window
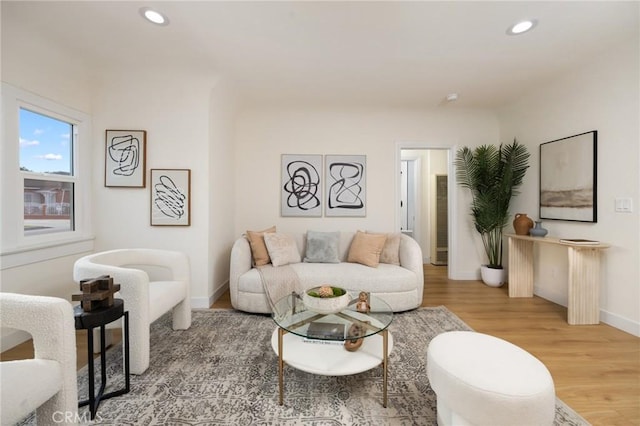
45 144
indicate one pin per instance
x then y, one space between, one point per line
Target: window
45 177
46 163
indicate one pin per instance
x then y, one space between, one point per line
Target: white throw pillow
282 249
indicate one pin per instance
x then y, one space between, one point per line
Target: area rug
222 371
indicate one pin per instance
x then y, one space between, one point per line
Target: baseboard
467 275
200 302
615 321
621 323
206 302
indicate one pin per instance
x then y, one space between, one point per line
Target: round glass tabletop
292 315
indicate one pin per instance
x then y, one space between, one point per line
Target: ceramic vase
538 230
522 224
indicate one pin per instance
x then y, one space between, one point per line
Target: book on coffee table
579 241
326 330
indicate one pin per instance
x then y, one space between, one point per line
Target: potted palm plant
492 174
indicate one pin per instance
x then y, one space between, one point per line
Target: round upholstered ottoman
483 380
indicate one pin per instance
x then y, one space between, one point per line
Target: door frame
452 227
418 190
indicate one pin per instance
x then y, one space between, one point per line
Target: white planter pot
493 277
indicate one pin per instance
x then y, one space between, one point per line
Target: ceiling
373 53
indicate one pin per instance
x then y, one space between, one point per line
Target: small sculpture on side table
363 303
96 293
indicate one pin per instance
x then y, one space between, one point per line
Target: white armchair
145 300
47 383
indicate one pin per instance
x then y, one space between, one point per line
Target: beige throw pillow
391 250
258 248
282 249
366 248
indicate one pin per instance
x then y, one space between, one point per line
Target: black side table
99 318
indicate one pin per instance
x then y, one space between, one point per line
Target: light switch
624 205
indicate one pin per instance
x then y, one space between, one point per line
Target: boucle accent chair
47 383
146 300
483 380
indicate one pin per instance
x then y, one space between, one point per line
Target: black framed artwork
568 178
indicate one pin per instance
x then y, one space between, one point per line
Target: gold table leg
280 365
385 362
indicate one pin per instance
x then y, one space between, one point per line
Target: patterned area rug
222 371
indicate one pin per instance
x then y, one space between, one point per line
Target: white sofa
400 286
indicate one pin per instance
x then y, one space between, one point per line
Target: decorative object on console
300 186
125 154
538 230
568 178
492 174
345 185
96 293
170 197
522 224
326 299
579 241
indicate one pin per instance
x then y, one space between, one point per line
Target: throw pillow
322 247
366 248
282 249
258 248
391 250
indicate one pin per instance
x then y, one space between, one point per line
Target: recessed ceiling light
154 16
451 97
522 27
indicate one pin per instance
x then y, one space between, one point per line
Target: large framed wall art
568 178
346 185
125 154
170 197
300 187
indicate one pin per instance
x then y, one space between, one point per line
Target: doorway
424 201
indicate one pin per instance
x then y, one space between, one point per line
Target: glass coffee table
314 342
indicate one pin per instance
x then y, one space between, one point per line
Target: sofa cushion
259 250
366 248
356 277
282 249
351 276
322 247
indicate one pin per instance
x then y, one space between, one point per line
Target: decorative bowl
326 305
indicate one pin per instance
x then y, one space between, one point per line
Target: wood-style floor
595 368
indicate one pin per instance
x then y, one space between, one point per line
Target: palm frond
493 175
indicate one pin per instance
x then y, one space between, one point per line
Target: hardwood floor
595 368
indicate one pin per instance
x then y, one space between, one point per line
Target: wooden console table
584 275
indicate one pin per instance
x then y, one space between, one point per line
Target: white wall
264 134
601 95
66 82
221 189
173 106
189 125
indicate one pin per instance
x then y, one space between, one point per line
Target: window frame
16 248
